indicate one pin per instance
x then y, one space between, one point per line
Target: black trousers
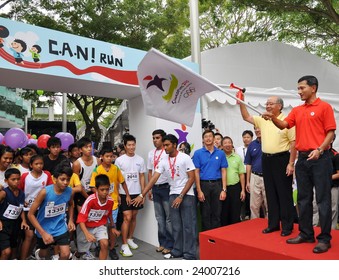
231 206
318 174
278 187
211 207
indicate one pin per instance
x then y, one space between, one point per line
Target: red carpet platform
245 241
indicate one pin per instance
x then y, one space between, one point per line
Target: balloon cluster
16 138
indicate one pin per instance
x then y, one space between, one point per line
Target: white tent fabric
264 69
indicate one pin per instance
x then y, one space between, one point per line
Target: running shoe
113 254
125 251
36 254
131 244
55 257
87 256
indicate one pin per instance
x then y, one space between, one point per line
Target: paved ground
145 251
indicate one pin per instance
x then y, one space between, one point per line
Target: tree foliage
223 23
313 24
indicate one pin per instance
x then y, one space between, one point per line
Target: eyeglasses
270 103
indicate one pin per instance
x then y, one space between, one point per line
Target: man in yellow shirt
278 147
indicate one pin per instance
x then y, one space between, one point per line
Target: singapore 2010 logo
173 92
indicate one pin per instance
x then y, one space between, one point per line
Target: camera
207 124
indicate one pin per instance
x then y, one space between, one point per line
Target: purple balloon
16 138
1 138
66 139
32 141
59 134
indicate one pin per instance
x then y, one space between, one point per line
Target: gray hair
281 102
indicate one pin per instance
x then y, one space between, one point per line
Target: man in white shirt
179 169
160 193
133 169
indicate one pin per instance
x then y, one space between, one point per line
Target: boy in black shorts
11 204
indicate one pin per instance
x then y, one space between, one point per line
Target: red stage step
245 241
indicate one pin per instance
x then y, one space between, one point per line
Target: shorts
125 207
61 240
79 199
7 237
98 232
18 60
31 227
115 215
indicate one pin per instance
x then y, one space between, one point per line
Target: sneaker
131 244
72 257
36 254
170 256
113 254
87 256
55 257
125 251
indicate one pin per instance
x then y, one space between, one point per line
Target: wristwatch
141 195
224 190
320 151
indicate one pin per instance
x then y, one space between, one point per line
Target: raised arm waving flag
170 90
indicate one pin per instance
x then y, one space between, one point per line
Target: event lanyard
156 160
172 166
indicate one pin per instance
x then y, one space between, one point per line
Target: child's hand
71 226
24 226
116 232
90 238
47 238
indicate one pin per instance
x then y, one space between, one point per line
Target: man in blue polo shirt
255 181
210 180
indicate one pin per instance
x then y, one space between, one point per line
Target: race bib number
96 215
55 210
12 212
111 188
132 177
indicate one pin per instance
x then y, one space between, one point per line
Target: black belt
210 181
276 154
161 185
304 153
258 174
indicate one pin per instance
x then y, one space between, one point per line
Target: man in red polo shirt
315 125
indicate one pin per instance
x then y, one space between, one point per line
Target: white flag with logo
169 89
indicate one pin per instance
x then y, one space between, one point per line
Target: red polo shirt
312 122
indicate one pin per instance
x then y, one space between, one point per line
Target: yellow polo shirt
273 139
115 178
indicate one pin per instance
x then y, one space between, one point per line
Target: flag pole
195 47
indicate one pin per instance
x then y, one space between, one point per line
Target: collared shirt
273 139
241 151
235 168
210 164
312 122
253 156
